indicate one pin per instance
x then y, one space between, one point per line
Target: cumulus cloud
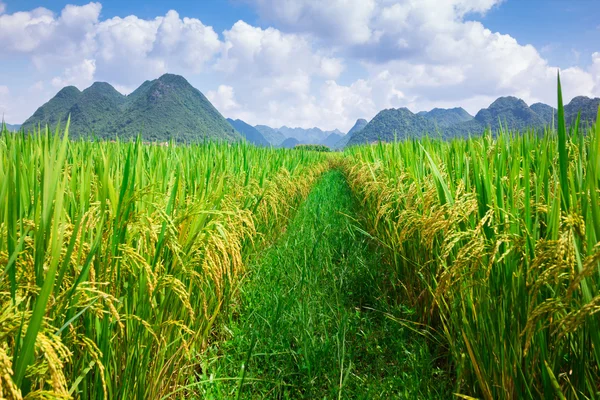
123 50
223 98
270 52
80 75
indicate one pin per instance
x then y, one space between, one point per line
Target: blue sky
558 28
303 62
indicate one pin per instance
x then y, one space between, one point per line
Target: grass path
315 318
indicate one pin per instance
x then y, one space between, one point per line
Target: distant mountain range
332 140
279 137
273 136
308 136
249 132
163 109
170 108
358 126
12 128
290 143
510 112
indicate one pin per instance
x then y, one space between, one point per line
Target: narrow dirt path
314 318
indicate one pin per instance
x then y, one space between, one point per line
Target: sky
304 62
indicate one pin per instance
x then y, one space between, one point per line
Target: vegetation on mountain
55 110
249 132
587 106
545 112
167 108
273 136
358 126
445 117
393 124
511 112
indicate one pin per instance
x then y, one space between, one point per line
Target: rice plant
117 257
496 240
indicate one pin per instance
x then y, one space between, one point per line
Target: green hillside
588 108
393 124
444 117
55 110
163 109
546 113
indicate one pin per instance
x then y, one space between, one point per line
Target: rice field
117 257
418 269
496 242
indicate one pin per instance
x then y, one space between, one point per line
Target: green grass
317 318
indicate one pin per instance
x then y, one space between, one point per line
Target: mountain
331 140
97 109
393 124
445 117
289 143
358 126
273 136
13 127
546 113
162 109
587 106
307 136
249 132
511 112
55 110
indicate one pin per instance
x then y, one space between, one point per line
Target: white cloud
25 31
2 7
270 52
124 50
81 75
426 53
223 98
